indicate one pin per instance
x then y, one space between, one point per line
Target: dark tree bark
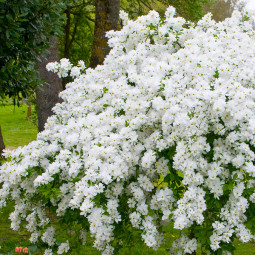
221 9
2 147
29 111
47 94
107 16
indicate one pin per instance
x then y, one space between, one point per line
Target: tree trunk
29 111
47 94
221 9
2 147
107 16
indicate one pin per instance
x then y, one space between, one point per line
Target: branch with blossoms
64 68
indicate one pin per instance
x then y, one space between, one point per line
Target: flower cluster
163 131
65 68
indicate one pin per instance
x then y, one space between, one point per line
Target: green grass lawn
18 131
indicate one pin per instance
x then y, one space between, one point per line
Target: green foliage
26 27
76 41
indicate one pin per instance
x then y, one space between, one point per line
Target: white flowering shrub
162 133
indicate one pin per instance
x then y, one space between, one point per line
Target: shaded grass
16 129
10 239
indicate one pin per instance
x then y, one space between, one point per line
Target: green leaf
171 153
167 178
217 204
235 176
225 187
219 252
216 74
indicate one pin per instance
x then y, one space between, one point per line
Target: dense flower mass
163 132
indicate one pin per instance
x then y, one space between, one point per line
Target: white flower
190 246
48 252
252 198
81 65
148 159
63 248
48 236
180 222
75 72
238 190
124 17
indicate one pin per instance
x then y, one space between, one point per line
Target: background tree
25 30
47 93
26 27
78 30
222 9
75 42
107 16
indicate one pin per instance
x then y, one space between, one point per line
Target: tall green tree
26 27
76 40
